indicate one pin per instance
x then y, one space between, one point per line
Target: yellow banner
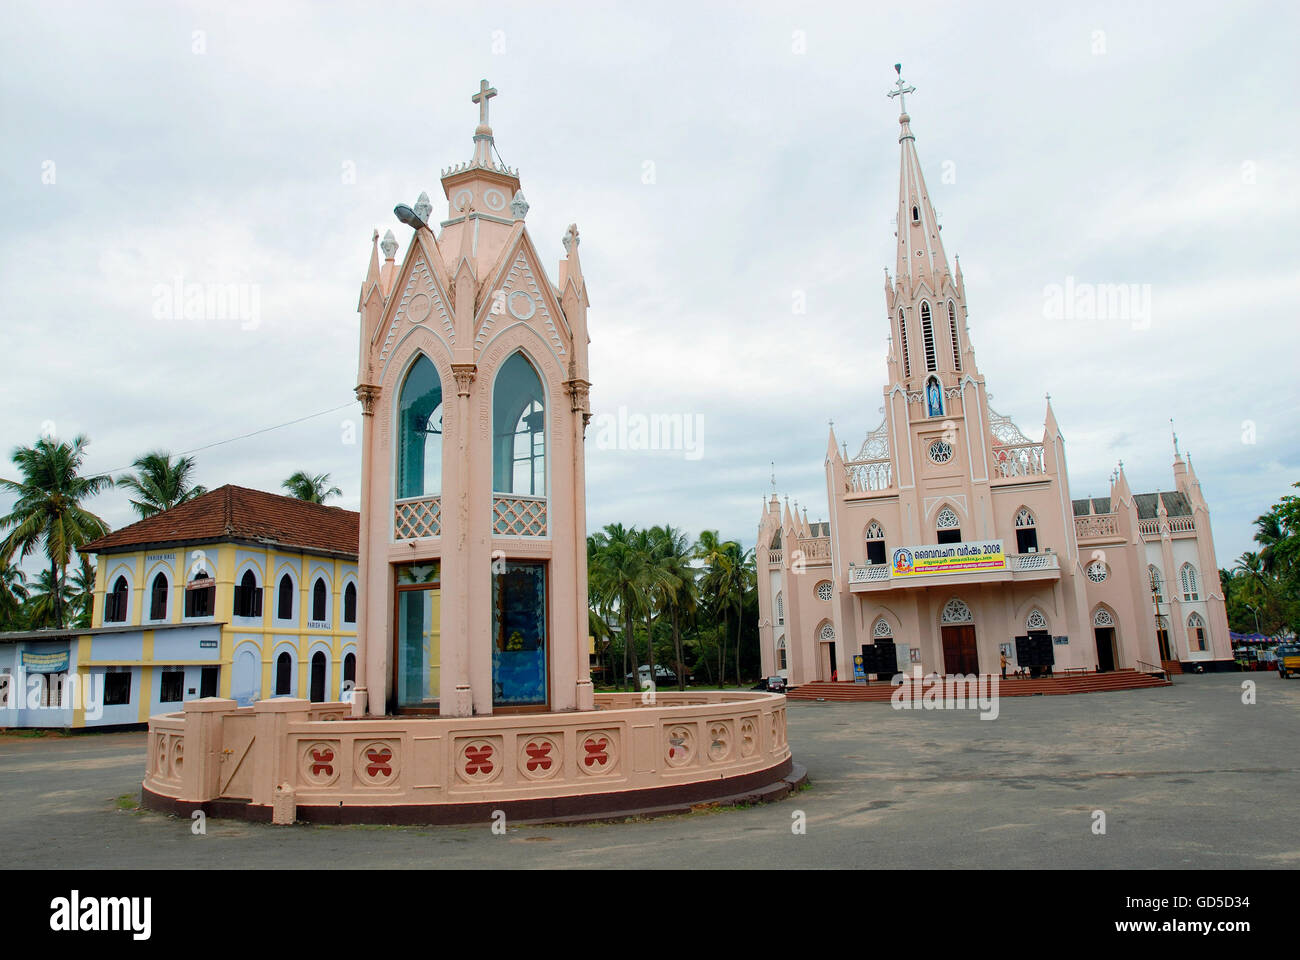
973 557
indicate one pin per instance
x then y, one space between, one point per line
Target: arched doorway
957 628
826 652
1103 630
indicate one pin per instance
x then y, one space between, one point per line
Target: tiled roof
1099 505
1176 505
241 514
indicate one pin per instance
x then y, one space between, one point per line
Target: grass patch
127 801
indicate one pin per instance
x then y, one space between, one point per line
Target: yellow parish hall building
237 593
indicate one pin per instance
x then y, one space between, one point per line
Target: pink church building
952 533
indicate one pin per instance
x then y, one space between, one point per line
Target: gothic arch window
1102 618
419 431
349 671
284 598
1026 531
956 343
775 543
882 630
350 603
916 214
158 597
518 430
927 337
875 537
1156 582
902 341
947 527
1035 620
319 601
955 611
115 602
316 690
780 609
782 656
283 675
200 595
1196 632
1187 576
248 596
933 397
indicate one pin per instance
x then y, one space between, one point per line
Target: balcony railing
417 517
1018 460
1024 562
815 548
1151 528
1096 525
870 475
774 557
870 573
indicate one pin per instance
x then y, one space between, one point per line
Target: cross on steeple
485 93
902 87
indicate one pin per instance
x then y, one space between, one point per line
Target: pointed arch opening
115 602
1026 531
158 597
902 343
927 337
1156 582
947 526
933 397
319 601
248 596
956 342
1187 577
419 431
1197 638
284 598
875 540
518 429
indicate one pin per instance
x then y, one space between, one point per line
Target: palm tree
1271 536
677 588
45 605
313 489
49 512
160 483
13 594
722 582
83 591
619 576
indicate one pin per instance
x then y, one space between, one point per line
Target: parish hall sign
926 559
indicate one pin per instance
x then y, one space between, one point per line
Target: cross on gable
485 93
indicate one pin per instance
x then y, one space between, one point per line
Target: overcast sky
1152 144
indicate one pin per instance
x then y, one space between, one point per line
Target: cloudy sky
724 162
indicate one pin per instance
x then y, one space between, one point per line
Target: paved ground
1187 776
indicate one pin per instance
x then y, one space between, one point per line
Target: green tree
313 489
619 576
83 592
677 587
45 606
49 513
13 594
160 483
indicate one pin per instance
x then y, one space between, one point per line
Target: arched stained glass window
419 432
518 430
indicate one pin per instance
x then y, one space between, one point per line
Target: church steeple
921 258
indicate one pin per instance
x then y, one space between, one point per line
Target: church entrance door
1105 648
959 654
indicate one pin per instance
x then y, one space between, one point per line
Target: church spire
921 257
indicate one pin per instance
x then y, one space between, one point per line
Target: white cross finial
485 93
901 87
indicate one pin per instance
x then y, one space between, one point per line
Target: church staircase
879 691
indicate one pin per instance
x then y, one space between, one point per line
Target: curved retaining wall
289 759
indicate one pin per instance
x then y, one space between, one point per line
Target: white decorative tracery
940 451
824 591
1156 582
1187 575
827 633
874 531
955 611
882 629
946 520
1102 618
1097 571
872 469
1024 518
1036 621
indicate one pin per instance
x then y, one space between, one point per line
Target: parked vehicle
1288 659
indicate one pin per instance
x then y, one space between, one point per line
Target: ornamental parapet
218 755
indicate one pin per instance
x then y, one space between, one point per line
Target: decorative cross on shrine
902 88
486 93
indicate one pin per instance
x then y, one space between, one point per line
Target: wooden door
959 653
